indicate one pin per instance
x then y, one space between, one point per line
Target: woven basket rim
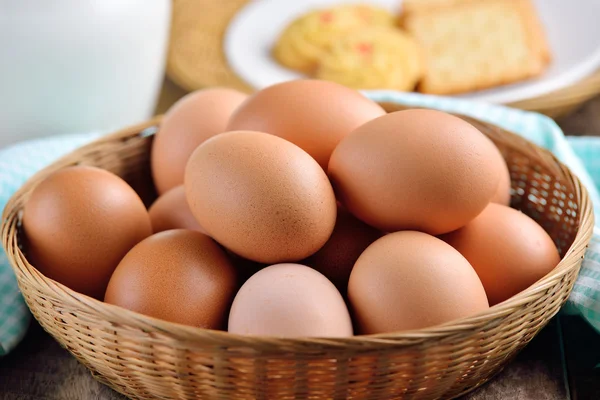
393 339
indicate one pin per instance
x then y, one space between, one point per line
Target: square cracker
476 44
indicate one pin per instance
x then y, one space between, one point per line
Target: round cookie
304 42
370 15
373 58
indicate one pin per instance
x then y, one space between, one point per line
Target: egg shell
349 239
79 222
313 114
260 196
508 250
171 211
416 169
189 122
289 300
411 280
502 194
180 276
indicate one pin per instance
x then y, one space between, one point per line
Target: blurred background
69 66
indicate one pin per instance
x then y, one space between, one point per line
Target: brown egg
189 122
80 222
289 300
315 115
260 196
423 170
502 195
349 239
179 276
410 280
171 211
508 250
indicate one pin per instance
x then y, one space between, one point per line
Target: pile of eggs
302 210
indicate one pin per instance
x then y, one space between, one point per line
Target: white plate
571 27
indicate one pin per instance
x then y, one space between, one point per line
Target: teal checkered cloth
17 164
582 155
585 297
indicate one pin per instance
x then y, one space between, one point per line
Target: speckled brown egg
349 239
79 223
260 196
289 300
508 250
411 280
189 122
179 276
415 170
171 211
315 115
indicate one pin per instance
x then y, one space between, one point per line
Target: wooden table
558 364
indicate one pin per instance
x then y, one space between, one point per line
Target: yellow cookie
304 41
373 58
370 15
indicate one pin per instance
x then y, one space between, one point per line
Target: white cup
79 65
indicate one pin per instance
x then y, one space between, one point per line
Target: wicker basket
147 358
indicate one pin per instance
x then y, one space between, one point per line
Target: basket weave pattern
145 358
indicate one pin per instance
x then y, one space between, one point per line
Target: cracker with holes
373 58
475 44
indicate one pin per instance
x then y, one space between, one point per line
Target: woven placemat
196 58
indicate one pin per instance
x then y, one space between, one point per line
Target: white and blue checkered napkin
17 164
582 155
